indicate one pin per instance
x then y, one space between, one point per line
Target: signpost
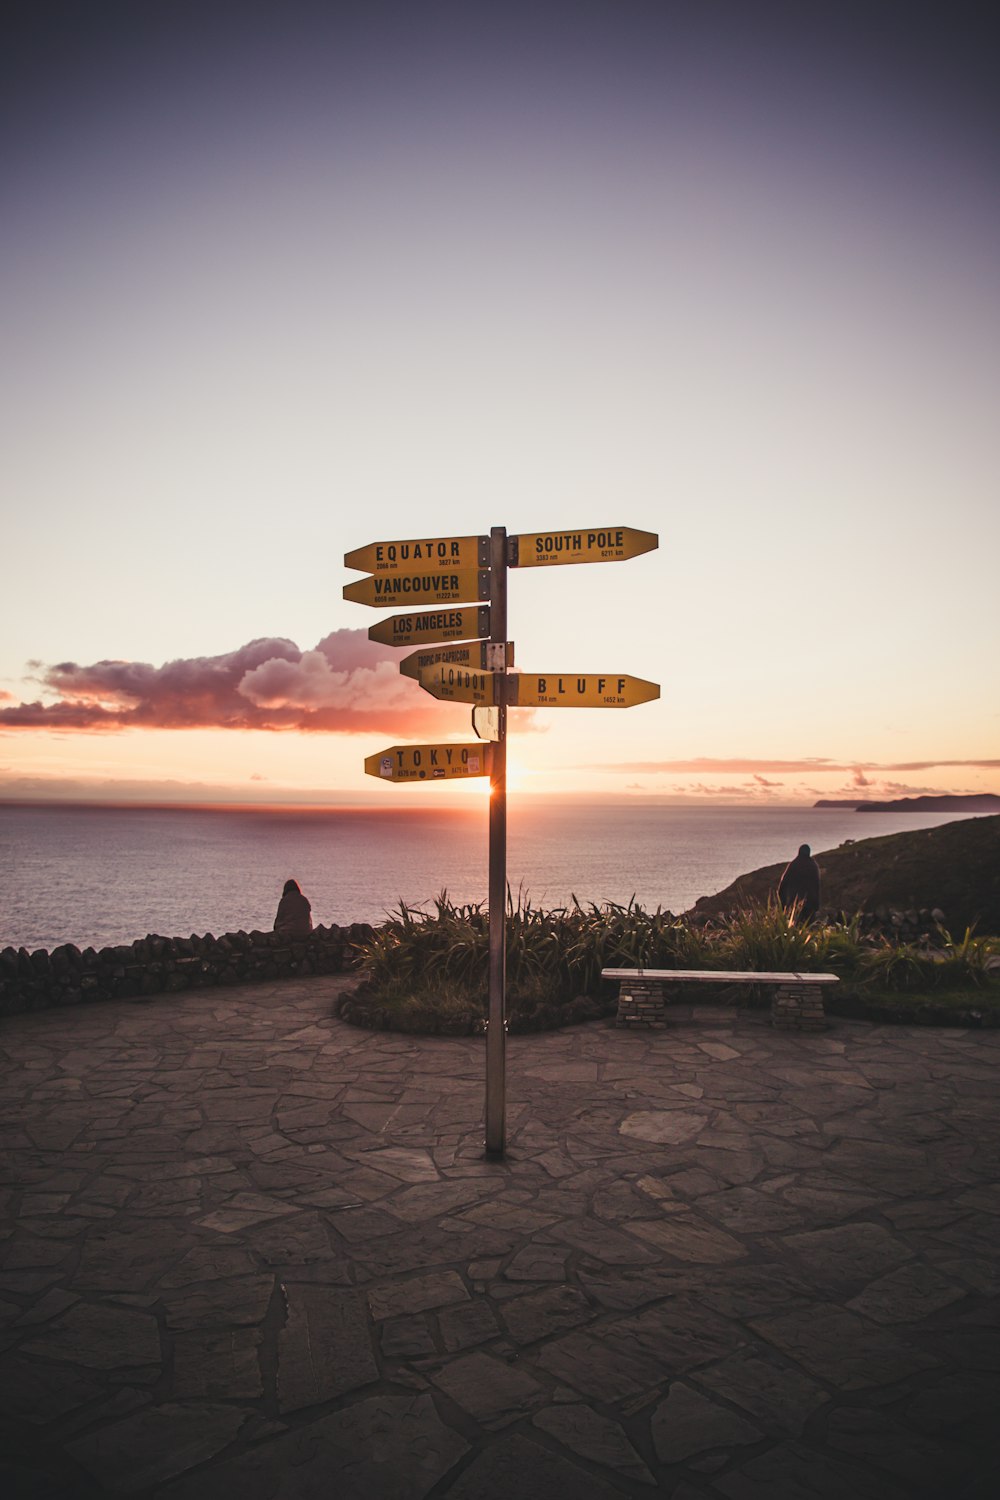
460 570
421 555
446 586
434 625
540 549
486 722
473 654
496 1024
570 690
429 762
457 685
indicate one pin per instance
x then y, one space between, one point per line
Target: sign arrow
429 762
421 555
433 625
447 586
486 722
540 549
473 654
575 690
458 684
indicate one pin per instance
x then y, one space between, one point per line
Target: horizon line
218 804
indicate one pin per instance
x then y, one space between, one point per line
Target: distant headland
985 802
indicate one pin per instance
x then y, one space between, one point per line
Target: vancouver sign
457 586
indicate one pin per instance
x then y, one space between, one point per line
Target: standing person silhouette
799 886
294 916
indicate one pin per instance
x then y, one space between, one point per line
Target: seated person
294 918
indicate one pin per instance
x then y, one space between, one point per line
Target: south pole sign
542 549
471 572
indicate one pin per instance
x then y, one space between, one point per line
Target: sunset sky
277 281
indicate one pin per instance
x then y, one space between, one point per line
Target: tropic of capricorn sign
466 572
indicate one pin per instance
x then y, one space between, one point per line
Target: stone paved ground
251 1251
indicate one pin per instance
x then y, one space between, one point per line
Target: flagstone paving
247 1249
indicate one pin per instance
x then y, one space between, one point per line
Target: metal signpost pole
496 1025
457 571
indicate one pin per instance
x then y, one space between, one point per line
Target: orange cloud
742 767
346 685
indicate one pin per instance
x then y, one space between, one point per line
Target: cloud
859 778
702 789
136 791
762 780
346 684
883 787
311 684
934 765
703 765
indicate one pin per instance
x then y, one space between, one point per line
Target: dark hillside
955 867
976 802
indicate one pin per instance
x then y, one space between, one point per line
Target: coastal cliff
955 868
973 802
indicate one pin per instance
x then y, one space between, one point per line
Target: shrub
555 957
431 968
762 937
901 966
897 966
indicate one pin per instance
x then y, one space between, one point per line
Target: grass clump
766 937
554 958
428 971
904 966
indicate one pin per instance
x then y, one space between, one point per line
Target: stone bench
796 999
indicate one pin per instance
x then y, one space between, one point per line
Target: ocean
100 875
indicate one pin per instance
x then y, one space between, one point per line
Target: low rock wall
911 926
156 965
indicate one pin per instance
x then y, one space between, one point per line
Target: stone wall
159 965
922 926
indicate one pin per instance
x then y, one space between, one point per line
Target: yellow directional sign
433 625
429 762
473 654
445 586
486 722
539 549
421 555
573 690
458 685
